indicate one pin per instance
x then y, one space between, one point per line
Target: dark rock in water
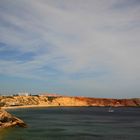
8 120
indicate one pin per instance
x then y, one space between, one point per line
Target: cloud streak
90 46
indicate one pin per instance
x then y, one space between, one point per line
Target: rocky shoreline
8 120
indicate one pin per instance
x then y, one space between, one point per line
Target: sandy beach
26 106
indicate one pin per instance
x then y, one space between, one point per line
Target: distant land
47 100
53 100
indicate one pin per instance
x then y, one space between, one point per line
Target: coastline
17 102
46 106
26 106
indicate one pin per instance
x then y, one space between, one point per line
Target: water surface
76 123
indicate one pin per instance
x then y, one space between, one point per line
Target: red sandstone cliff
65 101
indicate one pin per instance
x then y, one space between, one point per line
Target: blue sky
82 47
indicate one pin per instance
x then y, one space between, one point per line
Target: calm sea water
81 123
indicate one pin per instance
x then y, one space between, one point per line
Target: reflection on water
4 132
83 123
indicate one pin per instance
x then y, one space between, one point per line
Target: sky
70 47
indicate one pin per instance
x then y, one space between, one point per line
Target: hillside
11 101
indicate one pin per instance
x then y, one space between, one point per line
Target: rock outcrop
11 101
8 120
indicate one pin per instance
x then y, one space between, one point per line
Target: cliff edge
11 101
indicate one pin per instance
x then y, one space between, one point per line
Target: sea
76 123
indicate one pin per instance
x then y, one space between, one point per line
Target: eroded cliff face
65 101
8 120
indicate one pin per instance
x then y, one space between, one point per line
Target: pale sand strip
27 106
37 106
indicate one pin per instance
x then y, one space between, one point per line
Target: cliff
8 120
10 101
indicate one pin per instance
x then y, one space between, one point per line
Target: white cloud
74 37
